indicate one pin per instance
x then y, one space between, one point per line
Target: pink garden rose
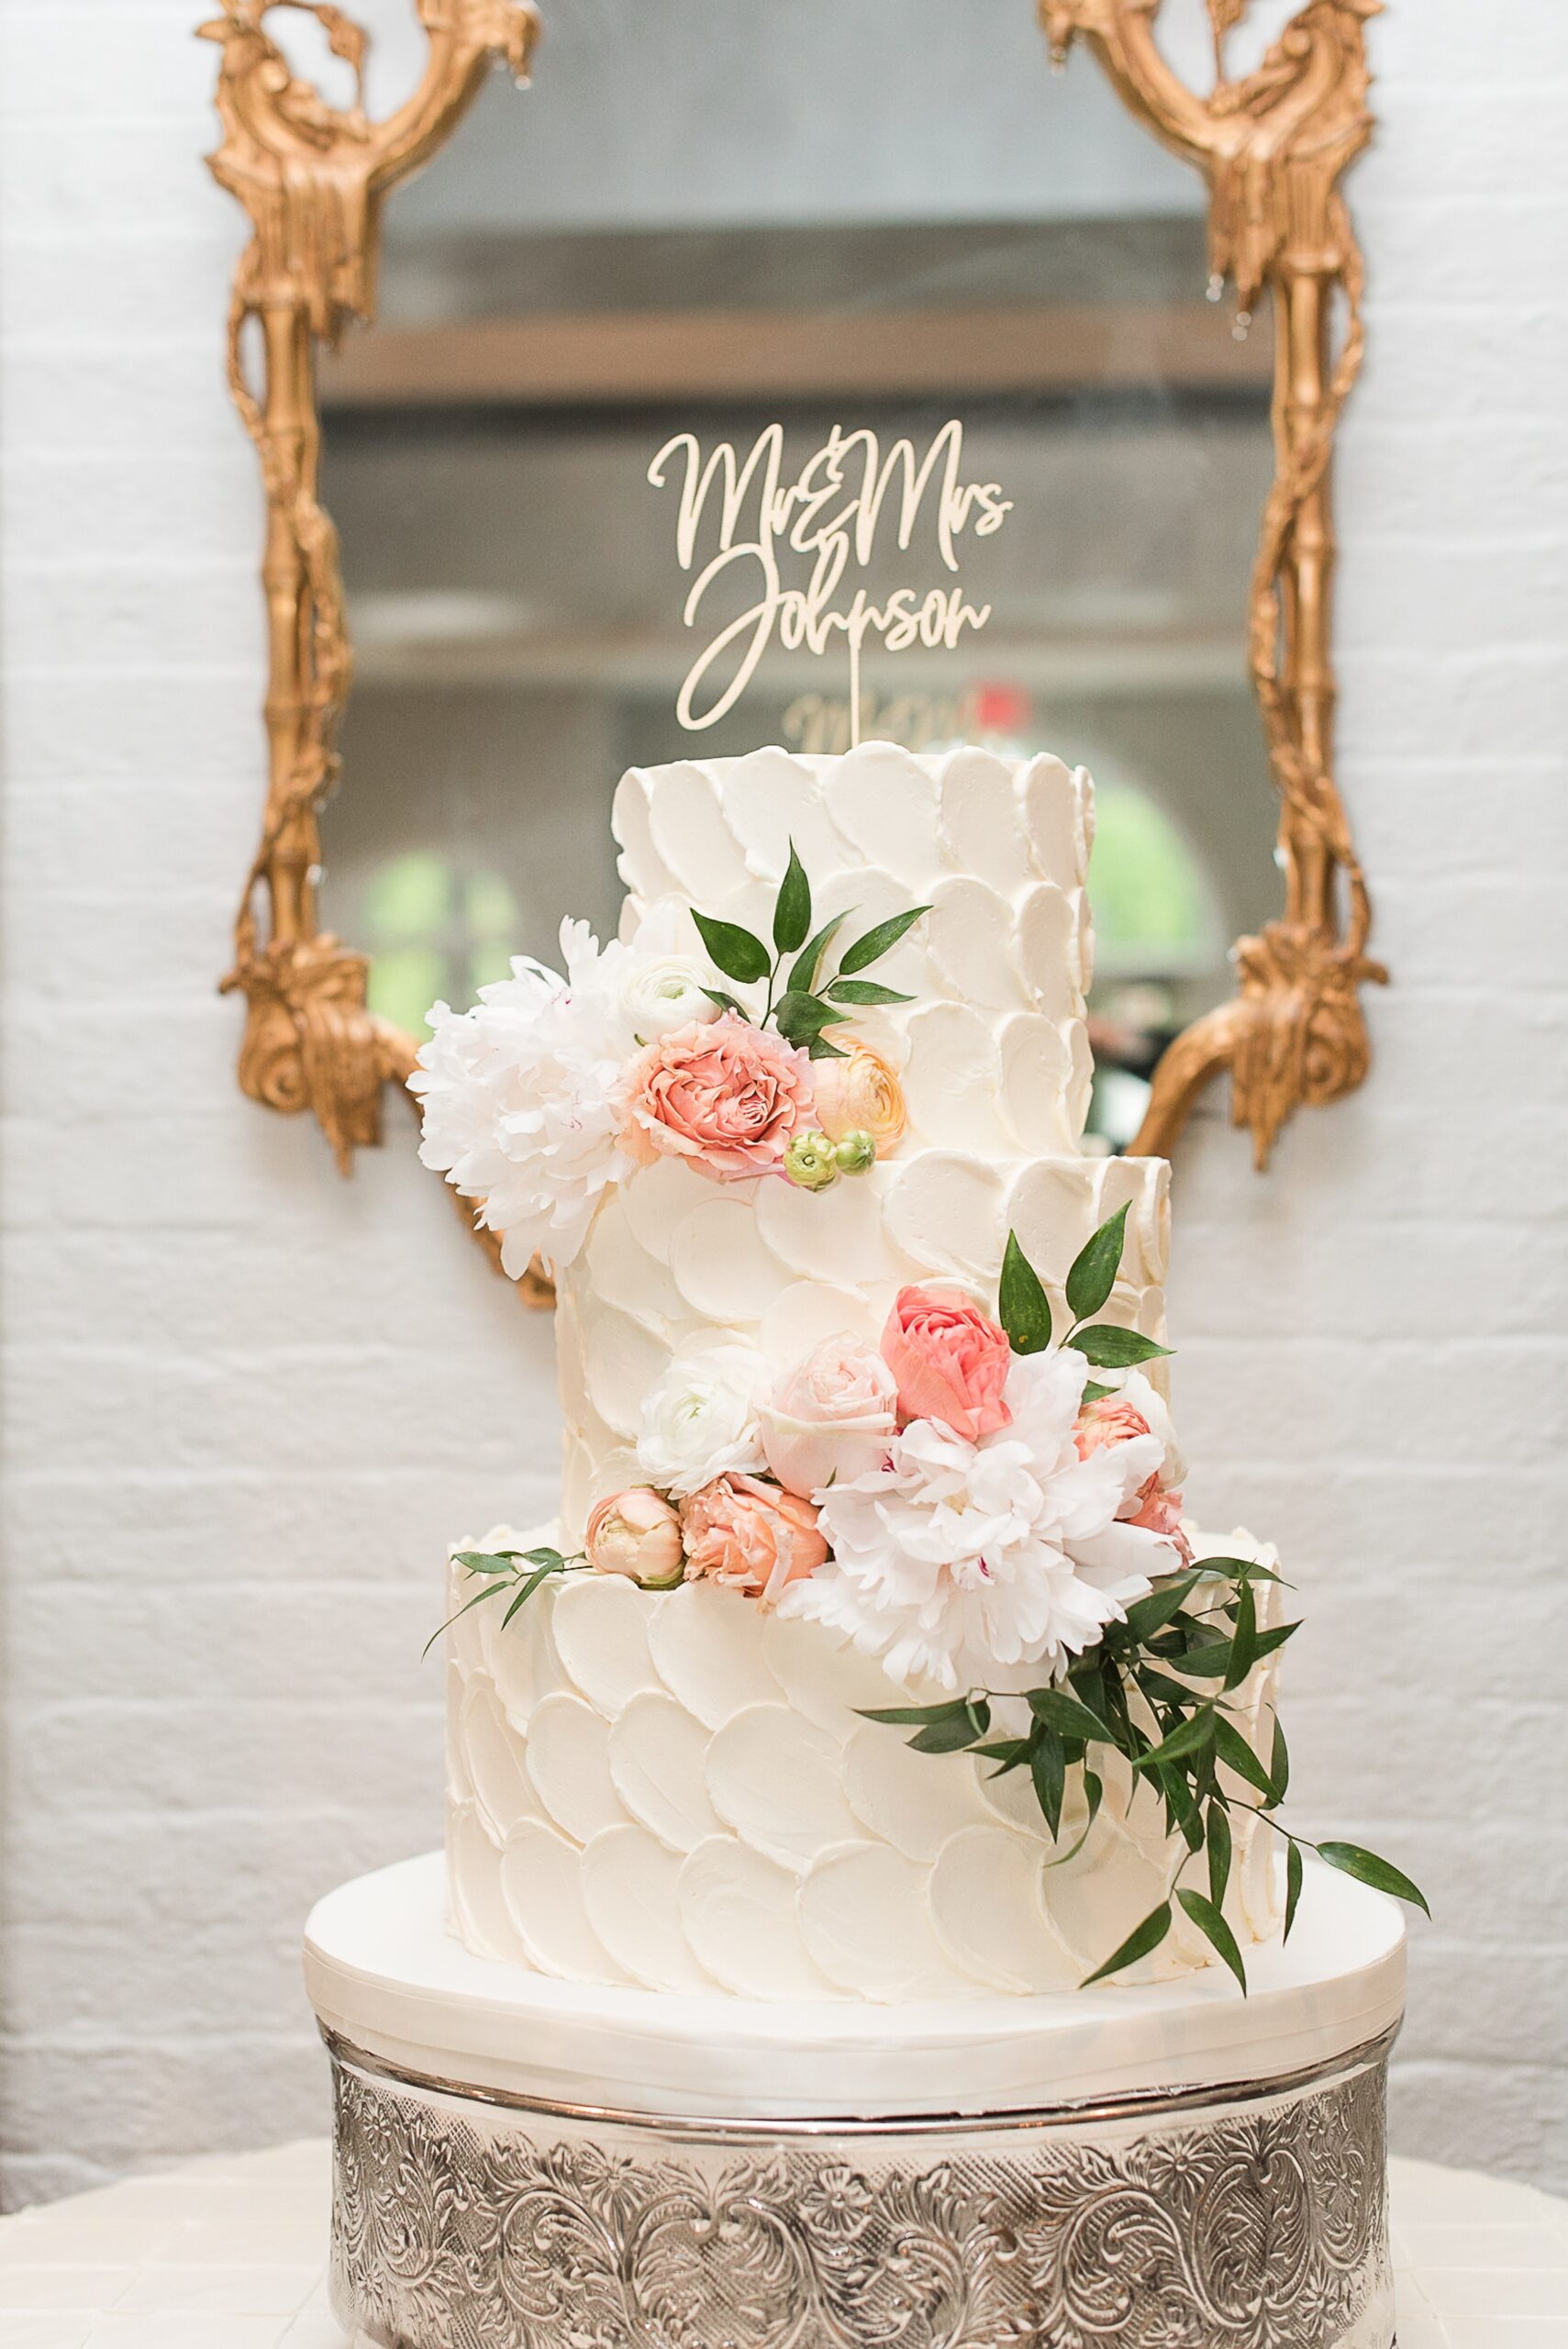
1114 1420
951 1362
726 1097
833 1418
751 1536
636 1534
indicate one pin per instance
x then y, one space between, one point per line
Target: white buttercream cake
678 1788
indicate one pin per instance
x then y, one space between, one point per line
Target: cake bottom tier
526 2165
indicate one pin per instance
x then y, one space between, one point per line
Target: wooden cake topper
830 516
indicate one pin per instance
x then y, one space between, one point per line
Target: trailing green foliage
1170 1688
520 1572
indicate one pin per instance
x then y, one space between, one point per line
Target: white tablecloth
231 2253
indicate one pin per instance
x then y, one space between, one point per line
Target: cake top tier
992 1045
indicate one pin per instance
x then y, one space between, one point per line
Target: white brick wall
246 1403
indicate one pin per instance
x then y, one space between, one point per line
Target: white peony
986 1564
522 1096
699 1418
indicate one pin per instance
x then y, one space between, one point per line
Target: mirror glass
836 212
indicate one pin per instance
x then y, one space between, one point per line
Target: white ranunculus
699 1419
665 973
663 992
986 1565
521 1098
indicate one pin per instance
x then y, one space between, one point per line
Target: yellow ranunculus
860 1091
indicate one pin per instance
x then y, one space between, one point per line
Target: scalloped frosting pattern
992 1052
676 1791
994 1049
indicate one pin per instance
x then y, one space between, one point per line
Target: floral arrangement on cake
978 1502
555 1085
971 1505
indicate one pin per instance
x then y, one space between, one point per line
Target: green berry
810 1163
855 1150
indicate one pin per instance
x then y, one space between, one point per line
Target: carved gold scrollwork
1273 147
312 177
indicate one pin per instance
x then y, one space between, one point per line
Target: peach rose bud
638 1534
859 1093
832 1418
950 1360
751 1536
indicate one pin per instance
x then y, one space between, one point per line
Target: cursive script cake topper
830 513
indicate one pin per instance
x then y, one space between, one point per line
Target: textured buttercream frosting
677 1790
991 1051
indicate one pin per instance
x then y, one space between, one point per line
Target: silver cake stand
471 2211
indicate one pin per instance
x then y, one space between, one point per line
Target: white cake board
526 2164
385 1976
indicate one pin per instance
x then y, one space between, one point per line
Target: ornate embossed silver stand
1247 2217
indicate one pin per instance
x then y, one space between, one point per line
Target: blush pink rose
636 1534
751 1536
832 1418
950 1360
724 1096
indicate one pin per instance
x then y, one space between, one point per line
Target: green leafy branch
1154 1668
800 1004
518 1572
1178 1660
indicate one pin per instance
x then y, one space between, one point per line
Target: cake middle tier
675 1263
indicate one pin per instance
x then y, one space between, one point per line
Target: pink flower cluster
738 1530
832 1420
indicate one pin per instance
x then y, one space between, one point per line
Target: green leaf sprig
1180 1659
499 1571
800 1003
1024 1309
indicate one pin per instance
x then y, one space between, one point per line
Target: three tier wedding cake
873 1742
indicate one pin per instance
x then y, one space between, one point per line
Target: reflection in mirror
708 217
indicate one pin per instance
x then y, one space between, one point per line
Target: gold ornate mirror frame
1273 146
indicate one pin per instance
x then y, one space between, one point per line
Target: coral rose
636 1534
950 1360
724 1097
859 1093
751 1536
833 1418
